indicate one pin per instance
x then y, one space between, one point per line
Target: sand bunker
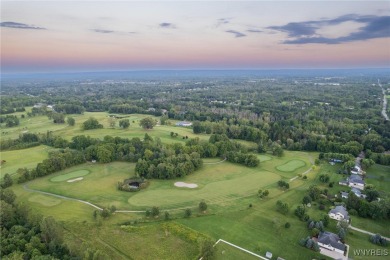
77 179
186 185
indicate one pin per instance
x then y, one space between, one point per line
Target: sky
73 36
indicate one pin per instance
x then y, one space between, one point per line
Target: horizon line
195 69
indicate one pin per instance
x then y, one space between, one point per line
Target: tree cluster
379 240
91 123
27 236
9 120
283 184
282 207
365 209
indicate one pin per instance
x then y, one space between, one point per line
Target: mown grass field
226 252
26 158
379 176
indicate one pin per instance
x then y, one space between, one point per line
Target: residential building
331 241
339 213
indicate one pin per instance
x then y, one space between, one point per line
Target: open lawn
26 158
379 176
226 252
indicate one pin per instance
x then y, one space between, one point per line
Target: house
344 195
339 213
356 191
356 181
183 123
344 182
331 241
357 170
268 255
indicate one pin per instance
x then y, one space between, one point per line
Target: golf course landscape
234 212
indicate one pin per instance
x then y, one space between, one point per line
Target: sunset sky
62 36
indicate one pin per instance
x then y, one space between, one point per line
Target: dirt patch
186 185
76 179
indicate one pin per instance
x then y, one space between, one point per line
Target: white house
339 213
357 170
356 181
184 123
331 241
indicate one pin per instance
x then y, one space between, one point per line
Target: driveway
333 254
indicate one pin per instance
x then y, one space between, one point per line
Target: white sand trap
77 179
186 185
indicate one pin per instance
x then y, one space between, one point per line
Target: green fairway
263 157
44 200
71 175
25 158
291 166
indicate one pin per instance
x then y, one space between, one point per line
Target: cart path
306 172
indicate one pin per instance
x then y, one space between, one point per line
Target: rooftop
329 238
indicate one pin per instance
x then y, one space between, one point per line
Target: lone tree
187 213
202 206
70 121
155 212
124 123
207 250
306 200
147 123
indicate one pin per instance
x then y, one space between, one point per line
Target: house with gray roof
331 241
356 181
339 213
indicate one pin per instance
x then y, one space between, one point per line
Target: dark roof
332 239
356 179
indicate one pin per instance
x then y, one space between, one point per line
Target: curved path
365 232
306 172
210 163
78 200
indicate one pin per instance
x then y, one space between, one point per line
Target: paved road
384 113
365 232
